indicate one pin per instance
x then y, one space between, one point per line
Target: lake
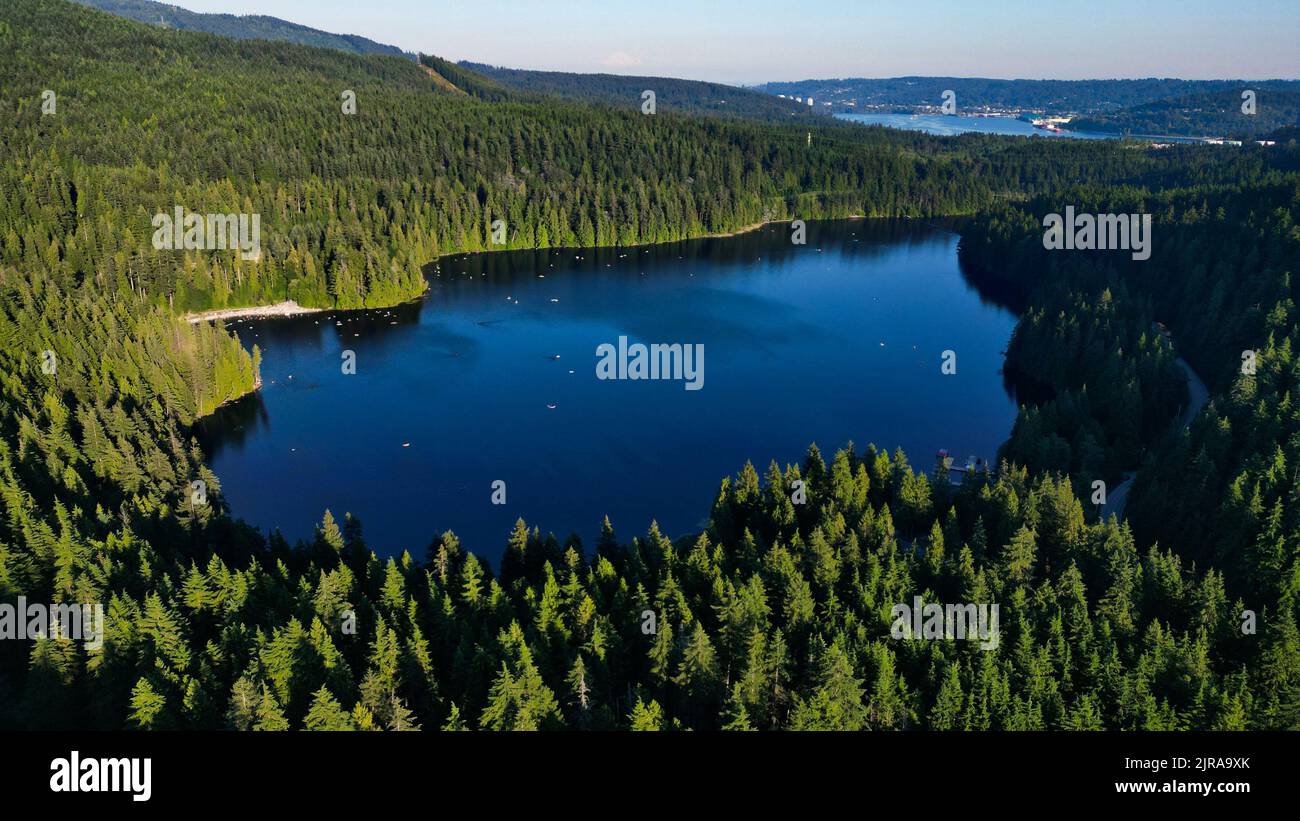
945 125
492 376
950 125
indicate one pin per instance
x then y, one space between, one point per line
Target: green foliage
774 616
241 27
671 95
1212 114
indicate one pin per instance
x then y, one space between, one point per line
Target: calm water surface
840 339
950 125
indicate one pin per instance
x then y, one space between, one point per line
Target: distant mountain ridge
1218 114
241 27
624 91
1146 106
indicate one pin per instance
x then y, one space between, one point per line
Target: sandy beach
286 308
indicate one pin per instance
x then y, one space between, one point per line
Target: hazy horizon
1193 40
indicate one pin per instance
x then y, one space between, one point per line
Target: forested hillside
1217 114
239 27
671 95
352 205
775 615
1225 493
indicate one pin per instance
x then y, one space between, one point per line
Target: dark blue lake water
839 339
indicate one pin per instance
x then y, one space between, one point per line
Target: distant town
1056 123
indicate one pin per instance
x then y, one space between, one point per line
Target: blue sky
758 40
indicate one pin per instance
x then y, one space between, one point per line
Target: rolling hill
671 94
240 27
1218 114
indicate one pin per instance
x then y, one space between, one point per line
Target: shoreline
278 309
756 226
289 307
716 235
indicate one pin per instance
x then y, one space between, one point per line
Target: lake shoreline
468 378
278 309
290 308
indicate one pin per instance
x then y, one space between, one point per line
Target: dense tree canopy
775 615
1214 114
